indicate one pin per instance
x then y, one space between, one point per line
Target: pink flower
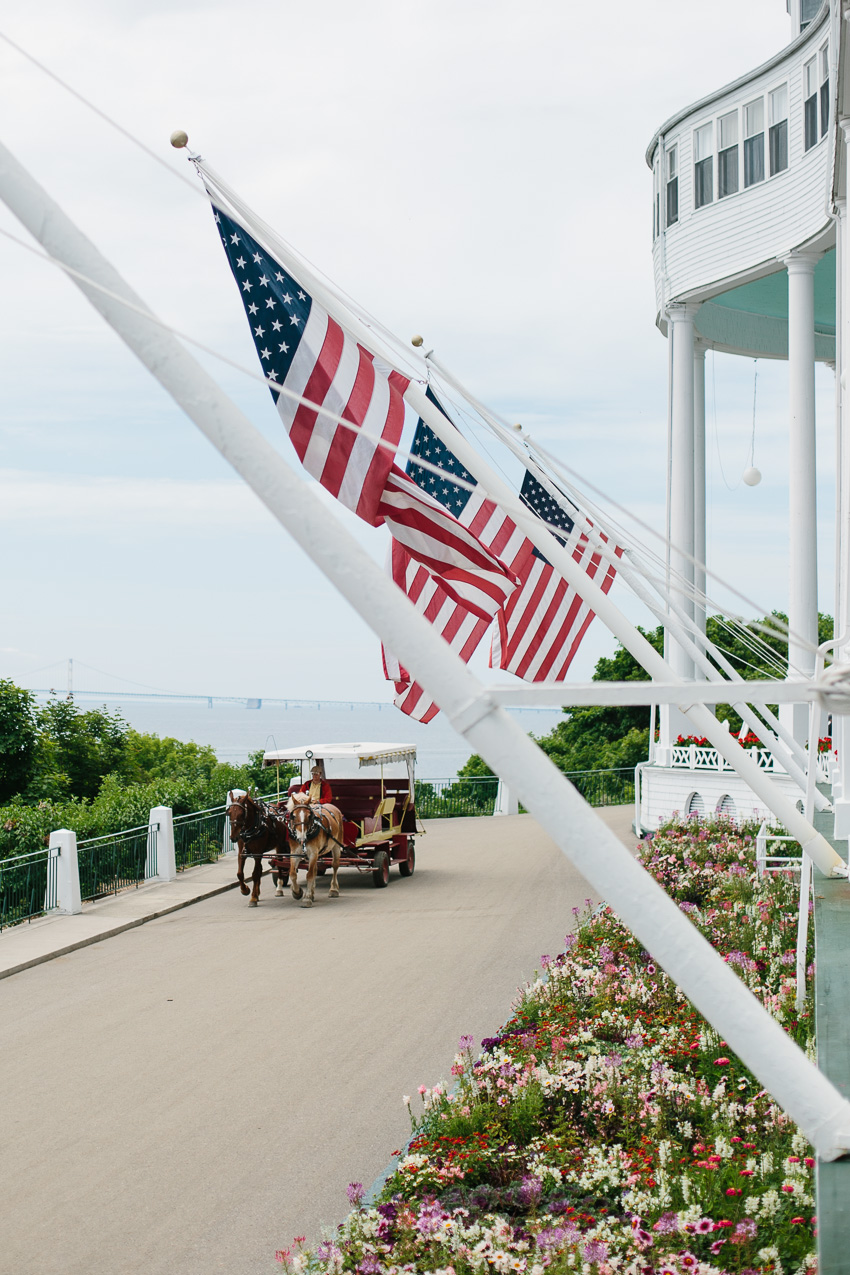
721 1062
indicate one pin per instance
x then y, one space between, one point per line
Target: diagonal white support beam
808 1097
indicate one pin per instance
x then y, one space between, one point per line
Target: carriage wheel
406 866
381 869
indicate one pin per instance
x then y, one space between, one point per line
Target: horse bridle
257 827
315 824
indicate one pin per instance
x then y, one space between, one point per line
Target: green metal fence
27 886
200 837
450 798
114 862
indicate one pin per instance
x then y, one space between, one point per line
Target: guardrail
113 862
477 795
27 886
201 837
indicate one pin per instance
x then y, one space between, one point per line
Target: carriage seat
375 823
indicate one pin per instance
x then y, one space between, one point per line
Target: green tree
18 738
75 750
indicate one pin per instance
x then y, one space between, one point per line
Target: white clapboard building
751 257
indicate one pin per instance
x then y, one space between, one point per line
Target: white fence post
68 900
507 802
161 835
228 846
761 848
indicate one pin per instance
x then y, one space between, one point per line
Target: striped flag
305 350
539 631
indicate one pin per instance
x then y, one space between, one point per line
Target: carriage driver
317 788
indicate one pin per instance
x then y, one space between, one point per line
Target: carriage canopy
340 759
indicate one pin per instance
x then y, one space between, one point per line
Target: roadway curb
116 929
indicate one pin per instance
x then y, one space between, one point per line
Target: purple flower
570 941
354 1191
430 1217
667 1224
545 962
606 953
530 1191
595 1251
613 1060
466 1042
371 1264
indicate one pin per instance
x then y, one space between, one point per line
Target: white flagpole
797 1085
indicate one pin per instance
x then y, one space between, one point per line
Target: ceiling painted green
753 318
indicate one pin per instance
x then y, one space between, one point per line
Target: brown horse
256 832
312 829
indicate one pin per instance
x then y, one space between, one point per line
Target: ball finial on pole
417 340
179 138
752 476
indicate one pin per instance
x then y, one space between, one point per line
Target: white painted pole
68 900
681 333
699 483
161 832
802 478
808 1097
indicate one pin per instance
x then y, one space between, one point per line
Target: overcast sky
471 171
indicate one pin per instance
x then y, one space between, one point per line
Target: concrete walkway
188 1096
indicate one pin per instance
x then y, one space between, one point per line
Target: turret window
754 142
703 166
810 104
727 155
824 90
777 137
672 186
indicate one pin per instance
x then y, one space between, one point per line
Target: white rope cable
566 474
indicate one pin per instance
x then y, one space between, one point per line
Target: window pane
754 160
728 130
671 163
754 118
811 121
809 79
779 147
702 143
727 172
808 11
703 184
824 107
824 63
777 105
672 201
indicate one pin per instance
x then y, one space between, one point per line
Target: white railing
696 757
773 862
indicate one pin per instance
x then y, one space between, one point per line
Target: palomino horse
311 830
256 832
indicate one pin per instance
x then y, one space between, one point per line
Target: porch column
802 489
700 348
841 725
680 334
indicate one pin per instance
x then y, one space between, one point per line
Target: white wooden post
161 834
68 899
228 846
506 800
806 1094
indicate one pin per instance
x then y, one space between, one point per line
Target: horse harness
317 823
261 815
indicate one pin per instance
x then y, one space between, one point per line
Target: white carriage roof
366 754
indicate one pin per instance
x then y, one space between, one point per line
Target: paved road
185 1097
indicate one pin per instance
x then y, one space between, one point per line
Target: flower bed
607 1127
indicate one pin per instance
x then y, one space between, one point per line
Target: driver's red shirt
326 794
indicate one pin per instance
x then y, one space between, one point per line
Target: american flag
538 633
305 350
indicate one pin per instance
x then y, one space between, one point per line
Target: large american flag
538 633
306 351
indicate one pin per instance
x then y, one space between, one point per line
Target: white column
68 899
802 484
161 825
841 725
507 802
699 477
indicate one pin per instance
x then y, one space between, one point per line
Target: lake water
234 732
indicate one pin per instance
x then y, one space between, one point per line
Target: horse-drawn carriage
366 822
378 810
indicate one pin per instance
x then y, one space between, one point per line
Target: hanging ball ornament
417 341
752 476
179 138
